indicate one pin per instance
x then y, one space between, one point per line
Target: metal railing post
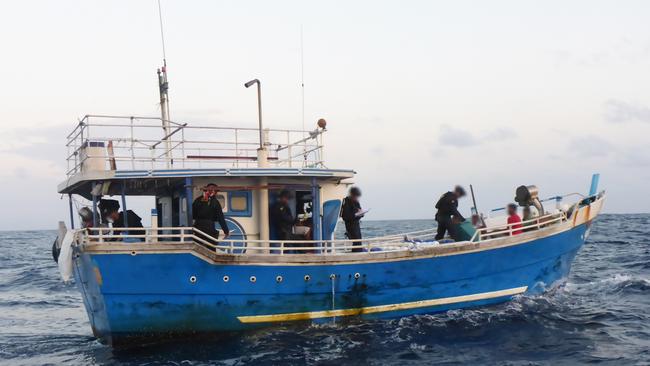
132 145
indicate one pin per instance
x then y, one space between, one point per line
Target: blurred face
475 220
211 190
112 216
512 210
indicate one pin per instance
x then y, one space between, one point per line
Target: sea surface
599 315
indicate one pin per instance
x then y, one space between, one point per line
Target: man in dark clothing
109 212
448 214
351 213
281 217
206 211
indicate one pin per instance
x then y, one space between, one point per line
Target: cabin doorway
301 206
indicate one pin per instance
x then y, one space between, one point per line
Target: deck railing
536 223
388 243
163 235
101 142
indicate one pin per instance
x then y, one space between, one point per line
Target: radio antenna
162 33
302 77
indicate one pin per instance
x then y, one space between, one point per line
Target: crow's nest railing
100 142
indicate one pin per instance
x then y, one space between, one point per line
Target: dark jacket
206 213
448 206
132 220
282 220
348 214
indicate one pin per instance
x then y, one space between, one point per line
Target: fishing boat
171 278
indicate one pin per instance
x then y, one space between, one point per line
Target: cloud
501 134
590 146
452 136
617 111
635 157
16 165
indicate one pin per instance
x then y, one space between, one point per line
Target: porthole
357 275
226 278
193 279
253 279
278 279
133 252
307 277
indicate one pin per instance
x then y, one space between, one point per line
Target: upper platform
127 147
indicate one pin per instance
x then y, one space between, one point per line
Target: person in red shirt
514 220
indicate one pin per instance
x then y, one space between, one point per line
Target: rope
333 278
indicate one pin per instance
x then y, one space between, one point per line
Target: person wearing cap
281 217
448 214
351 213
109 210
206 212
514 221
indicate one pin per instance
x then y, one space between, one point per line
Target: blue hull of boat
149 294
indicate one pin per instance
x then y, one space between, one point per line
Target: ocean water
599 314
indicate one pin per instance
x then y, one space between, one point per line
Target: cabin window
239 203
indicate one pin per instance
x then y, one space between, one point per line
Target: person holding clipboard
351 213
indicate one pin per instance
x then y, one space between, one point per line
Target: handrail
386 243
136 142
526 225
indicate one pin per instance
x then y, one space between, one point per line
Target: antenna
162 34
302 77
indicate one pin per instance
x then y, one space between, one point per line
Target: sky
418 95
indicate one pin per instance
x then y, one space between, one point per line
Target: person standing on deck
448 213
281 217
514 221
206 211
351 213
109 210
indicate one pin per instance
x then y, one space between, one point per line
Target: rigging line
162 33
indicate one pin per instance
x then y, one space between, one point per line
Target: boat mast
163 87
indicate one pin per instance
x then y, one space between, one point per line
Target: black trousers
445 224
353 232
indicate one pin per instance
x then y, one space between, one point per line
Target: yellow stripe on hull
380 308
